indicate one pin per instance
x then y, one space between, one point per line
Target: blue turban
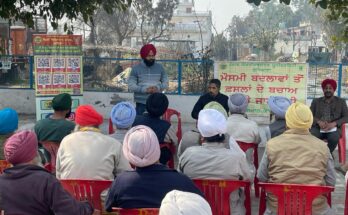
279 105
8 121
238 103
123 115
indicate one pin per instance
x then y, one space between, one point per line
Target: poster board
57 69
259 80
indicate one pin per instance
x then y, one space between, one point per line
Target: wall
24 101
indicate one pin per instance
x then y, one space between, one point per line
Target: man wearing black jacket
213 95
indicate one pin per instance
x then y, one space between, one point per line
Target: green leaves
55 10
337 9
322 4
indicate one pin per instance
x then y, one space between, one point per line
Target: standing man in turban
212 95
278 106
147 185
8 125
122 116
297 157
87 153
212 160
329 112
27 188
52 130
146 78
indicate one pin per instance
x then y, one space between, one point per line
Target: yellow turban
217 106
299 116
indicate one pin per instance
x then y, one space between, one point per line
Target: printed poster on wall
58 69
259 80
58 74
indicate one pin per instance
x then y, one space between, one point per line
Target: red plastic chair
167 117
4 165
137 211
111 127
217 193
87 190
342 146
293 198
245 146
52 148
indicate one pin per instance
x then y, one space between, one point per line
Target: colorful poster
58 69
259 80
58 74
44 106
57 44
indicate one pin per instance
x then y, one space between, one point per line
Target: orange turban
145 50
86 115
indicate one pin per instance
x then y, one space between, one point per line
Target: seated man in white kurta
212 160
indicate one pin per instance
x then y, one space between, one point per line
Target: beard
67 115
149 62
328 94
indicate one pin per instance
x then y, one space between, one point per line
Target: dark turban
145 50
157 104
61 102
332 82
86 115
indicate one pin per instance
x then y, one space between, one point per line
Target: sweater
142 77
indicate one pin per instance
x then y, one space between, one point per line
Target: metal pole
9 43
339 80
31 72
179 76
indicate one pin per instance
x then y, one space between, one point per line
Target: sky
223 10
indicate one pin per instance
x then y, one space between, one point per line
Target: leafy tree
220 47
264 25
154 21
56 10
337 8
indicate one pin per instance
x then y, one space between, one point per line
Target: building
296 41
192 30
15 37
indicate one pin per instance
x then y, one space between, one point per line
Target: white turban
184 203
211 122
141 147
279 105
238 103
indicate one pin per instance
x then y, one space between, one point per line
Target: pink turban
21 147
332 82
141 147
86 115
145 50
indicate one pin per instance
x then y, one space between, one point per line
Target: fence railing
185 76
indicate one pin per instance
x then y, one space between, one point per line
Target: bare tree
116 27
154 22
